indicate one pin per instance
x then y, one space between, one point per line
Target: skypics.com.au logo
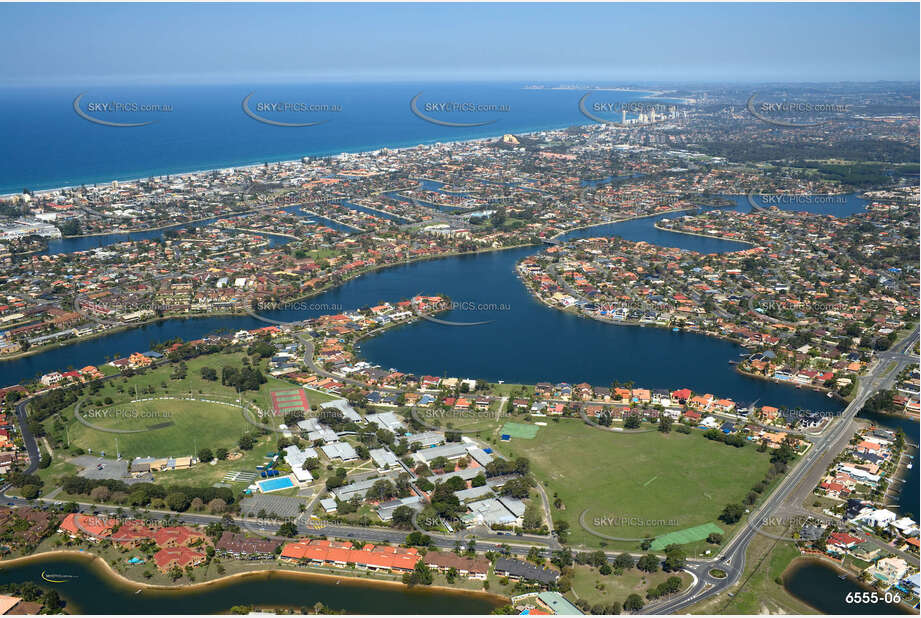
262 110
453 108
781 113
96 111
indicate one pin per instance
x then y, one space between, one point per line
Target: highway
796 485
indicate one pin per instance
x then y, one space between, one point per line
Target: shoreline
94 559
723 238
823 560
233 314
191 222
328 153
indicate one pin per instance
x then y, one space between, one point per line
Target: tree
674 558
648 563
205 455
732 513
421 575
665 423
100 494
30 492
207 373
287 529
562 558
221 453
714 538
634 603
562 529
402 517
417 539
178 502
624 561
632 421
52 601
786 453
246 442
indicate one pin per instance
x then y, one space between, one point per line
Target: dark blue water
208 129
529 342
86 243
526 342
910 491
819 585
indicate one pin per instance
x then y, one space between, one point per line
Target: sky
48 44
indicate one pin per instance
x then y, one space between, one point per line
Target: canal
90 588
821 586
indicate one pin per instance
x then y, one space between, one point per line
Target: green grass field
645 484
194 424
588 584
688 535
520 430
166 427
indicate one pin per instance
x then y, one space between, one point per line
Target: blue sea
44 143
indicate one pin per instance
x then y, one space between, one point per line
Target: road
798 483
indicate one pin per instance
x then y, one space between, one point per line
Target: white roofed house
339 450
348 412
384 459
323 433
358 488
474 493
385 509
296 458
387 420
492 511
452 450
480 456
876 518
426 438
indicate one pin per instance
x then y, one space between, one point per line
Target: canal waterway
90 588
524 342
820 586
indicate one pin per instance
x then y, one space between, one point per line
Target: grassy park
662 483
168 414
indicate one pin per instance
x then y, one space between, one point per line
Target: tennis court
520 430
289 400
688 535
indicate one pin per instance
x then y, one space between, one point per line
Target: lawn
589 584
636 485
165 428
174 427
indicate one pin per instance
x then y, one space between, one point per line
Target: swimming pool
282 482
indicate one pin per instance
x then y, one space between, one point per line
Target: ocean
45 144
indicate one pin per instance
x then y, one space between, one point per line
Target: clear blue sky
69 43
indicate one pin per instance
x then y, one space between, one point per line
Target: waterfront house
518 570
182 557
474 568
239 545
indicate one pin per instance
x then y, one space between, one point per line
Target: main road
798 483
